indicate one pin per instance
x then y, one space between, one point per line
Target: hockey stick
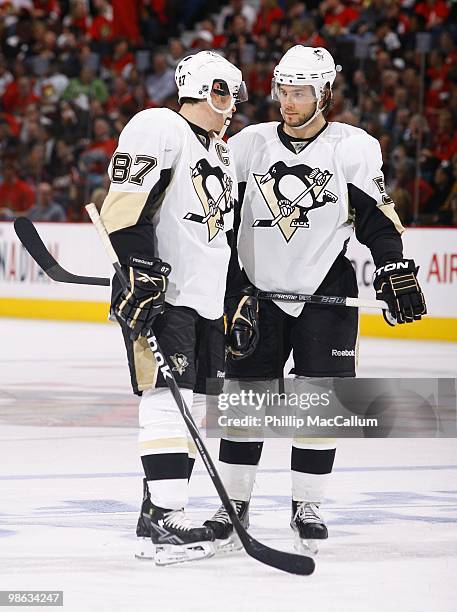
275 220
34 245
28 235
287 562
321 300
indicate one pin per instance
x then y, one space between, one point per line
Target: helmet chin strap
313 116
223 129
227 114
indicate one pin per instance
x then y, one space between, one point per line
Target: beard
298 119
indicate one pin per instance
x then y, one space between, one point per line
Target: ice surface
70 486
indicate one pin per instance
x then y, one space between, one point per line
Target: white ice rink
70 488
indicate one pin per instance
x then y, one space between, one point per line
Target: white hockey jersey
301 202
171 196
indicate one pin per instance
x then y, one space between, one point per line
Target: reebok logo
343 353
160 360
145 278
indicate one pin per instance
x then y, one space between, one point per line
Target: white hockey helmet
302 65
205 73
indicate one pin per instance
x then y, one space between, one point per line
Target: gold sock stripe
162 443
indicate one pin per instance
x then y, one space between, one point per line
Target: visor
222 98
294 93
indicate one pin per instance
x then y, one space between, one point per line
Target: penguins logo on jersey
291 193
180 362
214 190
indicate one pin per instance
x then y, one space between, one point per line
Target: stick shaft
289 562
322 300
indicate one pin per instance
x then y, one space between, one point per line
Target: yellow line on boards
430 328
57 310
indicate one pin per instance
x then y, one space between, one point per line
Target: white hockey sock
238 466
164 447
311 466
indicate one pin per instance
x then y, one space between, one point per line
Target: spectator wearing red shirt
15 194
121 98
268 13
439 86
103 140
337 14
121 59
444 143
95 159
48 9
78 19
304 32
389 82
448 47
18 95
433 11
126 17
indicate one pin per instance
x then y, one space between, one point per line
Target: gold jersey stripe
391 213
122 209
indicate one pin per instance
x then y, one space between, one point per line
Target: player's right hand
243 332
145 298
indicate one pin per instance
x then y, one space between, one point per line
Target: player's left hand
243 332
396 283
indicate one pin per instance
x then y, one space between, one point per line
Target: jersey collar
201 134
297 145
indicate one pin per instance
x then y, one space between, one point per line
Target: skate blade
171 554
230 544
145 549
306 547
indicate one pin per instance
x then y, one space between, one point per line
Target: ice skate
227 539
169 537
308 527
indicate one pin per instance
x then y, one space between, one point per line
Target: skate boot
145 548
308 526
227 539
168 536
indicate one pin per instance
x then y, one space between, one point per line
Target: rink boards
27 292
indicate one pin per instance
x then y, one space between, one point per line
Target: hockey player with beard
305 185
168 211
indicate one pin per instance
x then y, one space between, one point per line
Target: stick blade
281 560
262 223
30 239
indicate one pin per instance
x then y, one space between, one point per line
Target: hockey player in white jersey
168 211
305 185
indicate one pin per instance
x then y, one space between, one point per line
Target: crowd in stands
73 72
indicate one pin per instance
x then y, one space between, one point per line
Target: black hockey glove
396 283
243 332
145 298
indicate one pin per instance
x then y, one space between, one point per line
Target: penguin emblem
291 193
214 190
180 362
